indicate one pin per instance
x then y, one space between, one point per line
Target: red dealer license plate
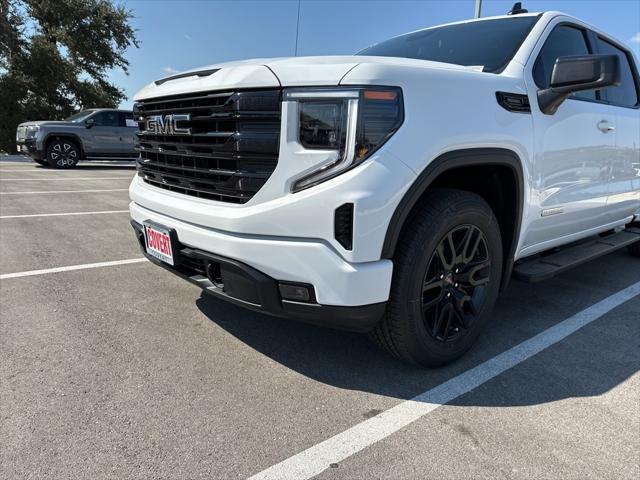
158 242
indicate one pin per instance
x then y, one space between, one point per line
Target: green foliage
54 57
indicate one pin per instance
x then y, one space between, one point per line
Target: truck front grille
225 149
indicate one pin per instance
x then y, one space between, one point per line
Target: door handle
605 126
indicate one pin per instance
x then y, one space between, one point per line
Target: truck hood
273 72
46 122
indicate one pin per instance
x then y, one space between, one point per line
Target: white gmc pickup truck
395 191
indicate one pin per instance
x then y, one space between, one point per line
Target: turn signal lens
381 114
380 95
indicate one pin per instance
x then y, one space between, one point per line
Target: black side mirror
90 123
577 73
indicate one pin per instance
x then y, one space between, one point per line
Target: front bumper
242 285
293 238
303 260
30 147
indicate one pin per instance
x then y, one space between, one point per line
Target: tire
447 272
634 249
63 153
41 161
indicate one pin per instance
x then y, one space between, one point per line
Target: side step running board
540 268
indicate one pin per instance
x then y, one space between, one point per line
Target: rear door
623 102
573 149
127 129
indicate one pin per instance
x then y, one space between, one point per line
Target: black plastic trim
343 225
246 282
353 319
538 268
471 157
514 102
593 41
308 286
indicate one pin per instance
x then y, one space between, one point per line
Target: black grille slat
210 171
218 155
232 149
197 192
209 184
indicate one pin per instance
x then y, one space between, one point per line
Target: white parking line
30 273
121 177
61 214
65 191
318 458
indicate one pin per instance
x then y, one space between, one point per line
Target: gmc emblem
167 124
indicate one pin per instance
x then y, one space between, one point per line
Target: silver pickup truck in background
97 134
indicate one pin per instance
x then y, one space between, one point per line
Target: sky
177 35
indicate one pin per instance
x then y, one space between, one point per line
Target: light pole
297 30
478 8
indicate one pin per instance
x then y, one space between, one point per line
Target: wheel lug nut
448 295
441 276
455 285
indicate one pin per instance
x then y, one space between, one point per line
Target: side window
106 119
625 94
126 120
563 41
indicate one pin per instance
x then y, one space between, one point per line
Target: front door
573 152
104 135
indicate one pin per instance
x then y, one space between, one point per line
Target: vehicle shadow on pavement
588 363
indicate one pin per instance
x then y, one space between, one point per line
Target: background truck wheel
447 271
63 153
634 249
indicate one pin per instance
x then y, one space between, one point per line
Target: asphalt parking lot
114 369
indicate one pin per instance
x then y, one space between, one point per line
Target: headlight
352 122
32 131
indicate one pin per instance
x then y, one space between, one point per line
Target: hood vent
199 73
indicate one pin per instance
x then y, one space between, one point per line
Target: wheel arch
70 136
443 172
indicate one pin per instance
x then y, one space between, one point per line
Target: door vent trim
514 102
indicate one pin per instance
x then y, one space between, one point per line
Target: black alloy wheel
454 283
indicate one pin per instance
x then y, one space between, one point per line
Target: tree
54 57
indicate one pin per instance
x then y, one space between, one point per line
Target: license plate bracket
160 241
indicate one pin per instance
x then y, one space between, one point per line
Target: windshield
489 44
80 116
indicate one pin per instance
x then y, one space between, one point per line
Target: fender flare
456 159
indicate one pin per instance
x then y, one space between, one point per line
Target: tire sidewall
424 348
